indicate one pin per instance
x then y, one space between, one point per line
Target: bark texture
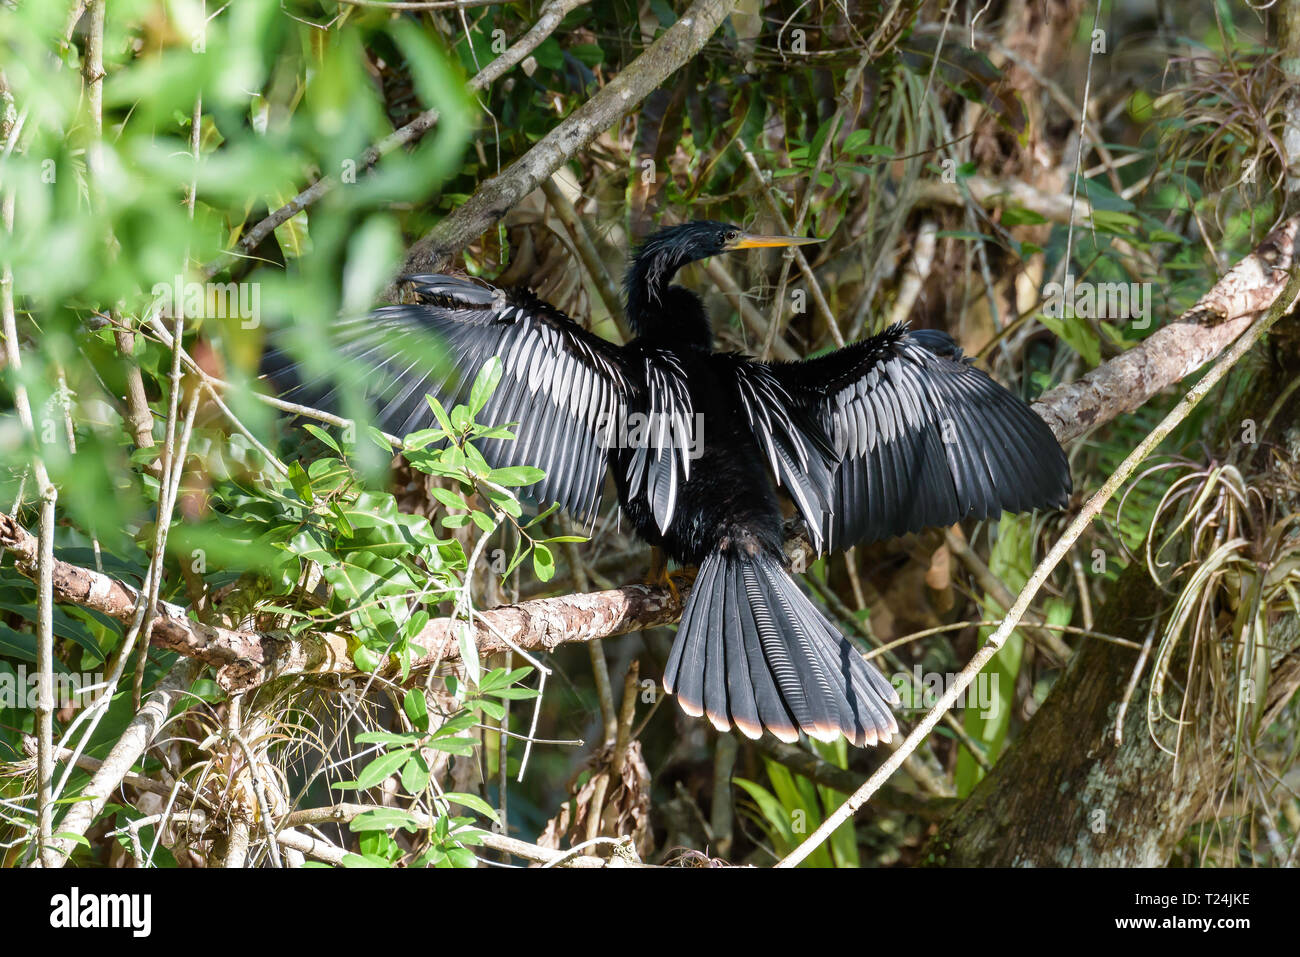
1174 351
1066 793
494 198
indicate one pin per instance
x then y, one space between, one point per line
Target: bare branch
496 196
1177 350
552 13
991 192
128 749
289 836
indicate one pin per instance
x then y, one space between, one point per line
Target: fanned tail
753 651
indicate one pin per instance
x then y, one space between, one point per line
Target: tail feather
748 698
777 648
752 650
719 618
822 703
773 712
686 663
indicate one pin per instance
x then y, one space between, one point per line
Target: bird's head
657 260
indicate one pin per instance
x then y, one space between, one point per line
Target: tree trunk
1066 794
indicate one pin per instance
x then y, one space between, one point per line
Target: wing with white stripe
565 387
793 442
661 446
923 438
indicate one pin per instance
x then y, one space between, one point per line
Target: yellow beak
749 241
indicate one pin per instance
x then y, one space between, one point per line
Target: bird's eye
733 235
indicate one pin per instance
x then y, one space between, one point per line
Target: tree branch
1177 350
551 16
135 740
246 659
494 197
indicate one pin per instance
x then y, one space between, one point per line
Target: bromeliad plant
1226 549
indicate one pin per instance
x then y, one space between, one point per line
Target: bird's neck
661 312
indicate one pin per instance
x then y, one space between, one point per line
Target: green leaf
365 659
485 384
381 767
417 708
384 819
468 653
422 438
462 722
69 836
543 562
1018 216
462 747
301 484
415 775
402 739
473 802
449 498
858 143
1078 334
516 475
324 437
440 414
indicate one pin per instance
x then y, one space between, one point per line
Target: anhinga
886 436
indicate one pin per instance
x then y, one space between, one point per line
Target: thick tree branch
683 40
1177 350
246 659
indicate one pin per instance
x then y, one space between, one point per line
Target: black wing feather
921 438
563 386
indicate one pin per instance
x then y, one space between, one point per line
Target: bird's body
723 489
889 435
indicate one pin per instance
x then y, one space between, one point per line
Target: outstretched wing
797 448
923 438
565 387
660 459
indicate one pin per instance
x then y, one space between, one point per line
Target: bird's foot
661 577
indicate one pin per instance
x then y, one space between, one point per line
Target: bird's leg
687 577
660 576
658 566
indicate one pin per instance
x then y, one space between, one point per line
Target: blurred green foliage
292 92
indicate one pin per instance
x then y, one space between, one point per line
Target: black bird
885 436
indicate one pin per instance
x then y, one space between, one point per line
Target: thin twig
551 16
44 710
1091 509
